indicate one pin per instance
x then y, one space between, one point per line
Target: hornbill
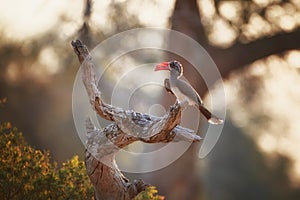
183 91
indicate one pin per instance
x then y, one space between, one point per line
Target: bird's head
173 66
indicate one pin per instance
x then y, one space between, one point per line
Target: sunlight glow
278 100
22 19
222 33
230 10
207 8
12 72
267 143
274 12
293 59
49 60
100 14
287 23
263 3
286 17
152 13
257 27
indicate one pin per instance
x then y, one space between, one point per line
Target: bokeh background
255 45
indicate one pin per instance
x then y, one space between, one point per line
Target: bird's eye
175 65
172 65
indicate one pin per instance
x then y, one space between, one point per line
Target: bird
183 91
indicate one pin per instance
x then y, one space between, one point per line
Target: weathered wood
126 128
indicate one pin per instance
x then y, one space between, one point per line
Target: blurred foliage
149 194
27 173
247 21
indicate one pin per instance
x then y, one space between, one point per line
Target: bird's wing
168 86
186 89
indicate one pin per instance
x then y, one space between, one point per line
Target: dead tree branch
127 127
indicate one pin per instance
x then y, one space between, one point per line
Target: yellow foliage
149 194
26 173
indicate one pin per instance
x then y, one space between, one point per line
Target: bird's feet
183 103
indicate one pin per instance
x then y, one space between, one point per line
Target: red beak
162 66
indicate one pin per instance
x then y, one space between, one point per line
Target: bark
126 128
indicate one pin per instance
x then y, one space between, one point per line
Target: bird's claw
184 103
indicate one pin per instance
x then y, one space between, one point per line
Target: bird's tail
212 119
